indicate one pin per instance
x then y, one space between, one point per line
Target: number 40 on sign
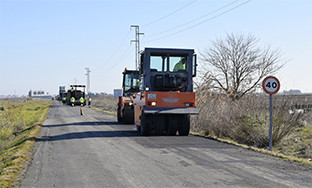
271 85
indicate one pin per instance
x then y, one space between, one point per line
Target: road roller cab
166 99
130 85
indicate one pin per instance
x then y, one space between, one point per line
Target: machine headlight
153 103
187 104
130 103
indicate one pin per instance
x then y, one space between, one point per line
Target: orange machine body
124 103
157 102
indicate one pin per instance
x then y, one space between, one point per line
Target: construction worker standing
89 102
81 101
64 100
72 100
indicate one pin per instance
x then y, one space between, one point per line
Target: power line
122 58
121 44
155 21
115 52
126 53
192 26
189 22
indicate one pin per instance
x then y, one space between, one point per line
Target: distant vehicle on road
76 93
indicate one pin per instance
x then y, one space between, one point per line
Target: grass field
20 122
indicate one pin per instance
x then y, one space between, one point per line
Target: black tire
184 128
159 122
138 128
119 118
128 116
144 125
172 130
173 127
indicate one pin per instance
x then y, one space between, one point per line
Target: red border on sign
278 87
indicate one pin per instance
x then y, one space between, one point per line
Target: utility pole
137 45
88 80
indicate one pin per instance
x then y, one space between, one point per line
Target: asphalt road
94 150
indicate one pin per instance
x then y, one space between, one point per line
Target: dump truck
76 93
165 99
130 85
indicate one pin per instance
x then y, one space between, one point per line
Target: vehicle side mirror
194 68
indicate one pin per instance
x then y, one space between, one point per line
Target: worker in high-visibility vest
180 65
81 101
72 100
64 100
72 90
89 102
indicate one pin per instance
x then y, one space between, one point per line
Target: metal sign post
271 126
271 86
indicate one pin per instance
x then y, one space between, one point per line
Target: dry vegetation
231 72
105 103
246 121
19 122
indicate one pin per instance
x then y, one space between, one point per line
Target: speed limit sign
271 85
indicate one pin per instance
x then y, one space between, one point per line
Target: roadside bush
246 120
298 143
106 103
252 130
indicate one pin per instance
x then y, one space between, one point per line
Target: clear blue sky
46 44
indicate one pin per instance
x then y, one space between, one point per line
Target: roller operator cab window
177 64
132 82
157 63
168 63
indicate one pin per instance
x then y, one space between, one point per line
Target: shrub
252 130
298 143
105 103
246 120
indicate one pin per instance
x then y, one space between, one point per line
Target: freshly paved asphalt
94 150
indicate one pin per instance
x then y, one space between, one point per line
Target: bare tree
236 66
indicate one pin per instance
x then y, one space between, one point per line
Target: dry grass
275 153
246 121
105 103
17 139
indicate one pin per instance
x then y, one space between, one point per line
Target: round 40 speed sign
271 85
